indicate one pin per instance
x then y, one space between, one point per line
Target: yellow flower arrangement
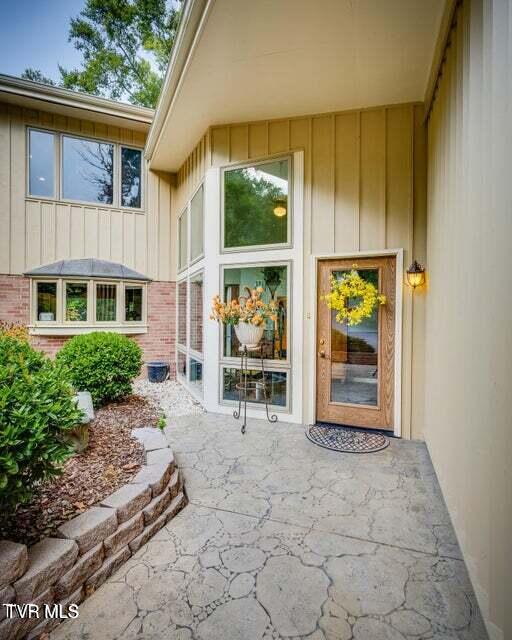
348 287
250 308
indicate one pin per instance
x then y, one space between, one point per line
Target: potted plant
247 314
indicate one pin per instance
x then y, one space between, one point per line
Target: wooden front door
356 365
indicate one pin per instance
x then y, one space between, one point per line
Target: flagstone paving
283 539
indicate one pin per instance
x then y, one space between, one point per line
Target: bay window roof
87 268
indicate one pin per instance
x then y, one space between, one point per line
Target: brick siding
157 344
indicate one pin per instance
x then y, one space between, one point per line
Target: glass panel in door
354 353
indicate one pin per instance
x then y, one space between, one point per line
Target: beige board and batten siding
40 231
365 190
468 375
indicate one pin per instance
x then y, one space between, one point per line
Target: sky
34 33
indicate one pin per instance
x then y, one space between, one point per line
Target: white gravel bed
172 397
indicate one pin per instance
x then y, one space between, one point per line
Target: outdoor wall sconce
280 208
415 275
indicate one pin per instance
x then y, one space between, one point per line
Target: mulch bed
111 459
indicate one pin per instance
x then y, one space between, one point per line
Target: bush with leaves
105 364
14 330
37 409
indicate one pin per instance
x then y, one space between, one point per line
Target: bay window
68 306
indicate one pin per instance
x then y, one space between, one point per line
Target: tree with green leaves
125 45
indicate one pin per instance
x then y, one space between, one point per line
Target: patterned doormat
346 439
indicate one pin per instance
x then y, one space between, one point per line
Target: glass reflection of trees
250 197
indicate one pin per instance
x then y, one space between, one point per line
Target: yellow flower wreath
351 286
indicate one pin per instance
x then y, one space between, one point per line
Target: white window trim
289 215
61 326
270 363
59 171
215 257
185 349
256 406
187 211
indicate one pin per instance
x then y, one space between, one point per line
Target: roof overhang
86 268
242 61
34 95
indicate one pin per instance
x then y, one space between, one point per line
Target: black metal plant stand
245 386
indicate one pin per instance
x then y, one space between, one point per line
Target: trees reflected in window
256 205
131 176
76 301
87 170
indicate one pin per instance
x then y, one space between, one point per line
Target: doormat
346 439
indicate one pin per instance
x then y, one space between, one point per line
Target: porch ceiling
270 59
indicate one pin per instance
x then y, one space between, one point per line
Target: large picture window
238 282
89 171
256 205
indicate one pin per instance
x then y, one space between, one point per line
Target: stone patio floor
284 539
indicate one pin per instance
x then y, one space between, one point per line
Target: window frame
122 297
33 302
276 408
72 327
77 323
59 171
56 162
116 284
187 211
193 261
270 363
290 213
185 349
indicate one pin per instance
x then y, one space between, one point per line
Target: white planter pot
249 335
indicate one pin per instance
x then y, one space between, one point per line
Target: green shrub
36 410
104 364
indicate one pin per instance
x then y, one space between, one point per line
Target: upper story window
87 170
77 169
256 205
41 150
191 231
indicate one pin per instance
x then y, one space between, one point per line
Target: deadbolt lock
322 341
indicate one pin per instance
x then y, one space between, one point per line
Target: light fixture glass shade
280 207
279 211
415 275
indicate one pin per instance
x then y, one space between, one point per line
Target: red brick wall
157 344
